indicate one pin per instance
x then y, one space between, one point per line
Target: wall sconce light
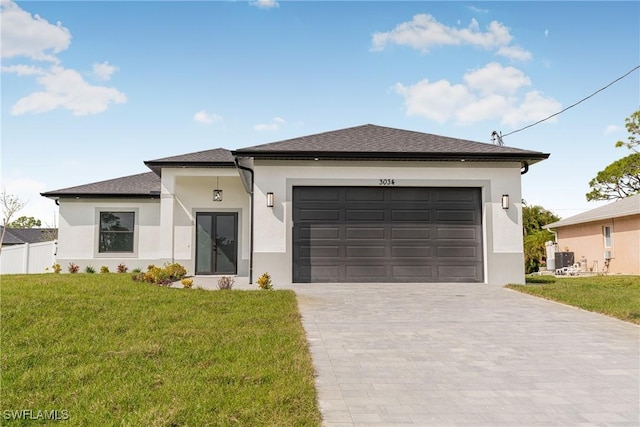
217 195
269 200
505 201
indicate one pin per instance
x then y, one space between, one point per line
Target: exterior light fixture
505 201
217 194
269 200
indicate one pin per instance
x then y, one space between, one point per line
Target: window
606 231
116 232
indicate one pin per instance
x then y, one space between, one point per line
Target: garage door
387 234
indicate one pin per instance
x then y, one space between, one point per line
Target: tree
25 222
621 178
10 204
618 180
533 219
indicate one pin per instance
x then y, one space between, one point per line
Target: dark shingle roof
623 207
371 141
140 185
218 157
18 236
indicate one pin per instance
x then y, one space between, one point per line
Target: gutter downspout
525 168
244 168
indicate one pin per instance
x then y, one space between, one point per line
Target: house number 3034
387 181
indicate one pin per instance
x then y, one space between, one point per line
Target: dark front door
216 242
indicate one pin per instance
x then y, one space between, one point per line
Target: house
362 204
20 236
606 238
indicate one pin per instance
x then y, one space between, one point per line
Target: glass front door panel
216 235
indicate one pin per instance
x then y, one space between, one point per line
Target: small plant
225 283
186 283
90 270
175 271
73 268
104 269
56 268
136 271
264 282
122 268
163 276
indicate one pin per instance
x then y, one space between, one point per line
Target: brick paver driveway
466 354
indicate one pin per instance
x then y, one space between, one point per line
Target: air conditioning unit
607 255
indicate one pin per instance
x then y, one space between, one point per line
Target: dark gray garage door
386 234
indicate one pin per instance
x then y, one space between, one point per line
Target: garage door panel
458 234
444 216
367 215
387 234
410 233
410 215
410 251
319 215
364 233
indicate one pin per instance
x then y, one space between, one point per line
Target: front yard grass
616 296
110 351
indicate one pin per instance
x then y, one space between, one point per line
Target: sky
90 90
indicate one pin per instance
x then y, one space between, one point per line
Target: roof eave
54 195
156 166
341 155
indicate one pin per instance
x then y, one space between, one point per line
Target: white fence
28 258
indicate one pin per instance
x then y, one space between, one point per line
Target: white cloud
494 78
612 129
275 124
488 93
546 33
103 71
478 10
424 32
34 38
535 106
66 88
30 36
265 4
207 118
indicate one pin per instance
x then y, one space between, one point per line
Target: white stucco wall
186 191
502 240
78 233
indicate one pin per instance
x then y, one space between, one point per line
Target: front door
216 242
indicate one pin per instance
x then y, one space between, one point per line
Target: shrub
73 268
163 276
264 282
186 283
136 270
56 268
89 269
225 283
539 279
122 268
104 269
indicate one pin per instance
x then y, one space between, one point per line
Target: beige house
608 237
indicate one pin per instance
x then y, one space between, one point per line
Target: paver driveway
466 354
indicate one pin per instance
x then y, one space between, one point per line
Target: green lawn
616 296
110 351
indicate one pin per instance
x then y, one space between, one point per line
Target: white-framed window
116 232
606 234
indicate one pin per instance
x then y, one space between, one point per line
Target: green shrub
89 269
540 279
104 269
264 282
163 276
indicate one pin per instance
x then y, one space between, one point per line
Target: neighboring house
363 204
19 236
608 235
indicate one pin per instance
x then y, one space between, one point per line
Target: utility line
573 105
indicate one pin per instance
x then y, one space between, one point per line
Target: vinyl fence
28 258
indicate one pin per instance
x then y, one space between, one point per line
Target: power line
573 105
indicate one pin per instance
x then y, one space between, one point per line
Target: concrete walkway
466 354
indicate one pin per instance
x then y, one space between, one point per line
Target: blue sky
92 89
